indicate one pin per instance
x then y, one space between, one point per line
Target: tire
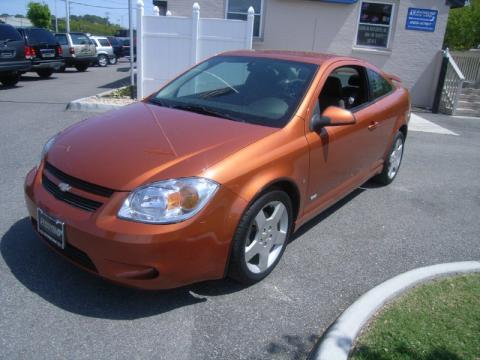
81 67
10 79
102 60
261 237
44 73
393 161
113 60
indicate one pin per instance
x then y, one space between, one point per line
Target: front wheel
102 60
113 60
45 73
393 161
261 237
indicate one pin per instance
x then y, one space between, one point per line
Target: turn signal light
59 50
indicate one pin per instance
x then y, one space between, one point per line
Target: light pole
56 17
67 11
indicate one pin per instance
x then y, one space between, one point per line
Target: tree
39 14
463 27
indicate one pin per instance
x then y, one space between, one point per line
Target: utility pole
67 11
56 17
130 28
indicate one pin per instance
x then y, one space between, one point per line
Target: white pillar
156 11
140 11
195 23
249 32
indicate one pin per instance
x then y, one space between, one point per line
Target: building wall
327 27
208 8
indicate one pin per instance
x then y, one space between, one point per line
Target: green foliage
92 24
39 14
463 27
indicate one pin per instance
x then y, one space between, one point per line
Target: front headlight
169 201
46 148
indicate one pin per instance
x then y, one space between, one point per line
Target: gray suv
77 49
105 54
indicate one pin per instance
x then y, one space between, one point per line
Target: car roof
300 56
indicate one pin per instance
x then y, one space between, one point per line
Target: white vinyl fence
167 45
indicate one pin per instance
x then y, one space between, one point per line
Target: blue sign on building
421 19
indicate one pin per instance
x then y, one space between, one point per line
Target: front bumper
142 255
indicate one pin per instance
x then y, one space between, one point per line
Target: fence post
168 13
140 10
195 26
249 33
441 82
156 11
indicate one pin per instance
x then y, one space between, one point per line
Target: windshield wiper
203 110
216 92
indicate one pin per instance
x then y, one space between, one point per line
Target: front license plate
51 228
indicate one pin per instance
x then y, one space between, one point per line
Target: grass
122 92
436 321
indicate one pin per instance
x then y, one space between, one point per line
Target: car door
383 112
340 156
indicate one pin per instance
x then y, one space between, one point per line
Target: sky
115 10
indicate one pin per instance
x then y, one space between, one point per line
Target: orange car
210 176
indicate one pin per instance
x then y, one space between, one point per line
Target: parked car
12 55
43 50
77 49
126 46
117 48
105 53
211 175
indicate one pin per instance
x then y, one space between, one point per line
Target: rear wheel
102 60
392 162
81 67
261 237
113 60
44 73
10 79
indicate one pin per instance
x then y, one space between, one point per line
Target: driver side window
345 88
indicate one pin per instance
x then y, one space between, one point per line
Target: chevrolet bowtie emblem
64 187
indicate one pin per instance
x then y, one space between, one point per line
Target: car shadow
36 78
59 282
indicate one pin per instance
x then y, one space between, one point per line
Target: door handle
373 125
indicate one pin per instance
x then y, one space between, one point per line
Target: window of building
238 9
375 24
378 85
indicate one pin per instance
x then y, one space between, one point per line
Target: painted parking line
418 123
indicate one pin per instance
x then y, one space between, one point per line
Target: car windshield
248 89
8 32
40 36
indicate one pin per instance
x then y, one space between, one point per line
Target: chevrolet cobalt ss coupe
211 175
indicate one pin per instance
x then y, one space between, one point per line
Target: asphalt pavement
50 309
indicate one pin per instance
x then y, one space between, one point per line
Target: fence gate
167 45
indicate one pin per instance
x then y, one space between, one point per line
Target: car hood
142 143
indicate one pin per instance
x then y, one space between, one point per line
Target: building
403 37
16 21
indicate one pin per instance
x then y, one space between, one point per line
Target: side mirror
332 116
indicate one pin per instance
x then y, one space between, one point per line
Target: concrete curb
340 336
83 104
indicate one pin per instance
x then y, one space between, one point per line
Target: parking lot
50 309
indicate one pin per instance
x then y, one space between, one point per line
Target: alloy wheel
266 237
395 158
